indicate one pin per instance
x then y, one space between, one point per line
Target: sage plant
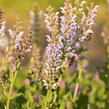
45 81
69 30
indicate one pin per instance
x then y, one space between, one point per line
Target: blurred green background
14 8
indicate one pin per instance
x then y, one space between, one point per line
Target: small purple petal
63 84
37 98
26 81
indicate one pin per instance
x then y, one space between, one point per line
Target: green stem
77 85
10 90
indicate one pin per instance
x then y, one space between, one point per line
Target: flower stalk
11 89
77 85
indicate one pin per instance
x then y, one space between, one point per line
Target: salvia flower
36 20
68 34
53 52
74 34
3 36
19 45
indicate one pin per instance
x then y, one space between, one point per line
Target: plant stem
77 85
10 90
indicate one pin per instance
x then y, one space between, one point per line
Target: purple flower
67 39
37 98
26 81
63 84
53 55
96 75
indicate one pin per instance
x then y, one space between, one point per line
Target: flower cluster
53 50
68 34
13 54
36 21
19 45
3 36
75 32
